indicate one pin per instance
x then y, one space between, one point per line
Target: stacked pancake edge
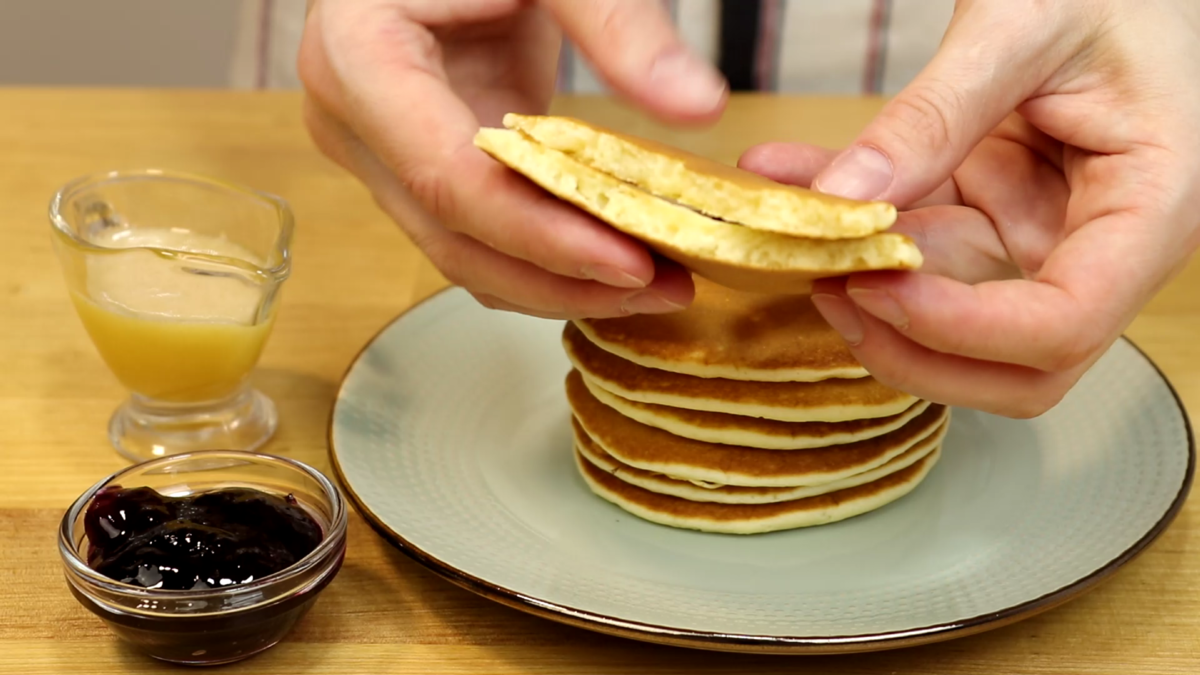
743 414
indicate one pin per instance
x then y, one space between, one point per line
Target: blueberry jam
202 541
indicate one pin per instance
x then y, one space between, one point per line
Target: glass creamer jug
177 280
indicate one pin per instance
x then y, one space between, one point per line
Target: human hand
396 90
1049 161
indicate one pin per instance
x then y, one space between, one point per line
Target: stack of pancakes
744 413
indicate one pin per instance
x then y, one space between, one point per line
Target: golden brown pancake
734 335
729 254
825 401
754 518
715 189
645 447
753 432
738 494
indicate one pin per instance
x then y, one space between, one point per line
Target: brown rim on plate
749 643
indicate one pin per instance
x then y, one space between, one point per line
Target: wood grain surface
354 271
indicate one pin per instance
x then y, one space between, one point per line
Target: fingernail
687 80
648 302
612 276
881 304
859 173
842 315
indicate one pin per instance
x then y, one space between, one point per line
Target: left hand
1048 164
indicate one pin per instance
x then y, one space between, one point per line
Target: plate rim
749 642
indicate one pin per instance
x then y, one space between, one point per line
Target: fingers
672 291
492 302
368 69
1018 321
1023 195
958 242
525 287
515 284
799 164
975 345
790 163
486 201
366 63
976 79
894 359
634 47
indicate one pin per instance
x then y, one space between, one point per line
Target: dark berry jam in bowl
225 564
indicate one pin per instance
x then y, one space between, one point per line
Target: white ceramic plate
451 432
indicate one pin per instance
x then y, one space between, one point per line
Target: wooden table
353 272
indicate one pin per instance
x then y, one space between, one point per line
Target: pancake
754 518
825 401
729 254
738 494
753 432
651 449
715 189
731 334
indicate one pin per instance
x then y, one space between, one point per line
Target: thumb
991 59
634 47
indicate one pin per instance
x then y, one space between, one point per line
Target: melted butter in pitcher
170 330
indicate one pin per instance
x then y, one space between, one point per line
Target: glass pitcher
177 281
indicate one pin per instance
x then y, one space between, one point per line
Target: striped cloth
797 46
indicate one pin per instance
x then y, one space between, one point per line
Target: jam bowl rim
329 551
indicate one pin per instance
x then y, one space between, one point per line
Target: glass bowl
219 625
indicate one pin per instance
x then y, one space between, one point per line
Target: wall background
148 43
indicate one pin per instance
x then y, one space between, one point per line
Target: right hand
396 90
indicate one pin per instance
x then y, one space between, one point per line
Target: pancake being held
712 188
729 254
